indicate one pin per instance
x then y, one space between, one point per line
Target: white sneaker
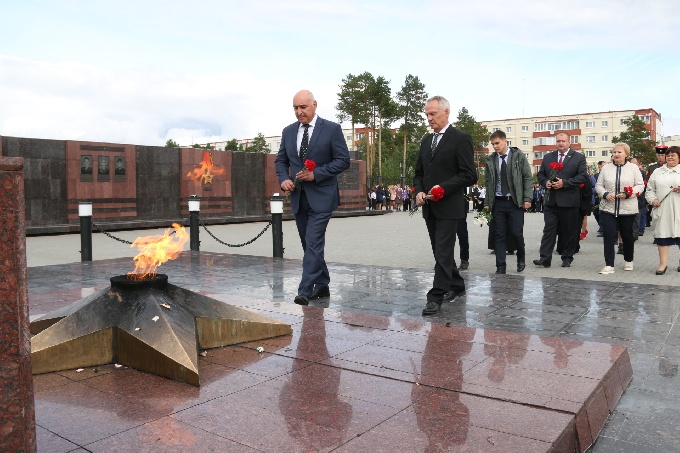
607 270
628 266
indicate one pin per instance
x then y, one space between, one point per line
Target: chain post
194 209
276 208
85 214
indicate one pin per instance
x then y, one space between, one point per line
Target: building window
573 139
623 121
605 153
556 126
538 155
605 123
508 129
590 139
496 129
525 142
537 169
348 137
590 153
645 118
590 124
605 138
525 128
538 141
527 155
509 142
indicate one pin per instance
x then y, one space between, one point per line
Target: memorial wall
134 186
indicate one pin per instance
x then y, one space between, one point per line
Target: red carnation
310 164
413 189
553 165
581 186
645 182
437 193
628 190
559 167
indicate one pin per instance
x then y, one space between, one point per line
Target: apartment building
591 133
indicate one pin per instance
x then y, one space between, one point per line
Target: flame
156 250
206 171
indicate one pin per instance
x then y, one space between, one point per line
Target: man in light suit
446 160
562 200
314 194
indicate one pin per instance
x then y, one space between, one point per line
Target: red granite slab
353 383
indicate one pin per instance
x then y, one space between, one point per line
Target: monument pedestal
17 416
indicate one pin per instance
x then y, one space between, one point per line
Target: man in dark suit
562 200
445 161
314 193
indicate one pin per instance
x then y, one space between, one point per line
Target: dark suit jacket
452 167
573 174
327 147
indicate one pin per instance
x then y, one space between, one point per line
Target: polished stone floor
364 370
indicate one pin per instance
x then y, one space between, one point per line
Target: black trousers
624 224
509 219
463 239
568 222
442 234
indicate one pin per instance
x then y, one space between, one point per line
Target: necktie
505 188
305 142
435 140
561 158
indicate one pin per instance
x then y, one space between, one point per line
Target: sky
145 71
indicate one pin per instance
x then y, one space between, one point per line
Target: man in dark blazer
446 161
314 194
562 200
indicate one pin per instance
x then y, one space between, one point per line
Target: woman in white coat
618 186
663 193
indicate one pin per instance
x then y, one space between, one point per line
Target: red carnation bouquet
628 190
437 193
310 165
554 170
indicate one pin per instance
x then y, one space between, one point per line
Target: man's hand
287 185
305 175
421 198
527 205
486 208
557 184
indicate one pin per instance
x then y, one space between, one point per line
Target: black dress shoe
464 264
544 263
500 269
450 295
301 299
321 291
432 308
510 252
566 263
521 266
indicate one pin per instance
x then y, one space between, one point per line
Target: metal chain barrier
235 245
101 230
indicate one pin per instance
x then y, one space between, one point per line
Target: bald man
314 195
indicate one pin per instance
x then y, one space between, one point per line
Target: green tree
232 145
637 137
259 145
196 145
352 101
478 133
382 112
171 144
411 100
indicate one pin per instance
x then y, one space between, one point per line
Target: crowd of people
389 198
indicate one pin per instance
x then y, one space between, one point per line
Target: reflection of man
120 166
561 210
103 167
85 165
445 162
315 193
319 405
508 181
440 413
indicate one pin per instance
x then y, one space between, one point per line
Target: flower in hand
437 193
310 164
628 191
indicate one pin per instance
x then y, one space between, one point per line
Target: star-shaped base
151 326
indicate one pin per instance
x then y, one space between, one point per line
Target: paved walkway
395 240
380 266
